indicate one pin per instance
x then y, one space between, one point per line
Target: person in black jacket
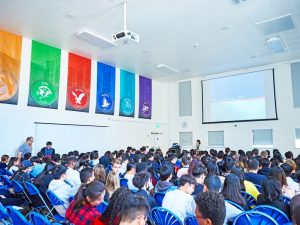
141 181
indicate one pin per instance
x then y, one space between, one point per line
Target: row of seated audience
195 183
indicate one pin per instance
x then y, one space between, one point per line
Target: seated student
290 182
48 151
232 190
63 190
247 186
141 181
99 173
12 165
295 209
83 211
252 175
4 161
289 155
199 174
278 173
87 175
210 208
22 175
130 172
112 183
164 184
293 164
73 177
271 194
43 180
105 159
111 215
38 167
180 202
212 183
265 167
94 158
134 211
185 161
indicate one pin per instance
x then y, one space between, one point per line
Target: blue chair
161 216
102 207
275 213
56 201
286 200
258 187
4 217
159 197
16 216
254 217
38 219
19 189
236 205
190 220
7 172
124 182
33 191
251 201
6 181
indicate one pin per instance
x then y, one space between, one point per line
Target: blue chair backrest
190 220
54 199
124 182
3 214
102 207
286 200
6 181
258 187
275 213
236 205
254 217
17 186
32 189
251 201
7 172
161 216
38 219
159 197
16 216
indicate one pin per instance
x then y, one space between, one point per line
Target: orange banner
10 62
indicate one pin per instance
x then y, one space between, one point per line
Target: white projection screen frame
239 98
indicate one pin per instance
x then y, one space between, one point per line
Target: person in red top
82 210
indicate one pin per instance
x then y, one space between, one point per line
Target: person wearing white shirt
73 176
130 172
63 190
185 161
180 202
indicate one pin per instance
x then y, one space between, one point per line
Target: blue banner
106 79
127 93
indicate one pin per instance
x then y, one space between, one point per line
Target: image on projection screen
242 97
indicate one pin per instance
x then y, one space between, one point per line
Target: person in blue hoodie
164 184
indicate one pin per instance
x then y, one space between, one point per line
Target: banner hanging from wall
127 93
145 97
79 83
44 76
106 79
10 63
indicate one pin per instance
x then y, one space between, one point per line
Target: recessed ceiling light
166 69
275 44
196 45
224 28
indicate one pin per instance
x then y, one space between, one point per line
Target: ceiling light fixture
167 69
275 44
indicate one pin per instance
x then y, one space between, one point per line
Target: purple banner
145 102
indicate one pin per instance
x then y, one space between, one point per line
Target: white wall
239 135
18 121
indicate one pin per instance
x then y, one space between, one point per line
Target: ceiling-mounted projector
125 36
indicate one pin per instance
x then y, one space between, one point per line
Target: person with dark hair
105 159
247 186
232 190
290 182
228 164
87 175
255 152
295 210
130 172
63 190
22 175
12 165
265 167
73 176
25 148
252 175
271 194
289 155
134 211
180 202
164 184
111 215
278 173
43 180
277 155
4 161
38 166
210 208
94 158
199 174
185 162
83 211
141 181
48 151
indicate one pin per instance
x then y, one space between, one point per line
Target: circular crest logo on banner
8 86
43 93
78 98
146 109
127 107
105 103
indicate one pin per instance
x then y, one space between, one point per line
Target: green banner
44 76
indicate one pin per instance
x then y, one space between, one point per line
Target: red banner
79 83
